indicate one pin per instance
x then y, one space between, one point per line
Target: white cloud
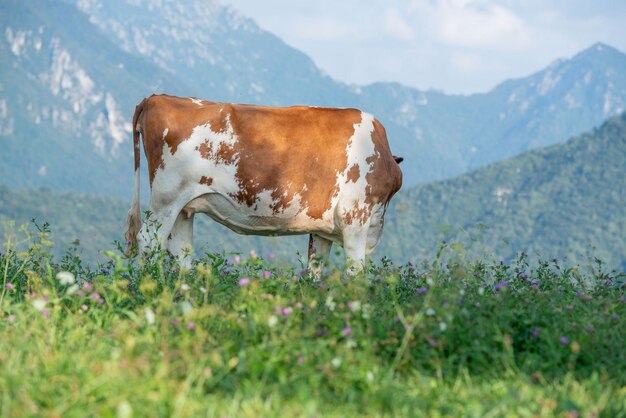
395 25
475 23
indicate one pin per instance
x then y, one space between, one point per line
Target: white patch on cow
188 166
165 131
352 194
196 101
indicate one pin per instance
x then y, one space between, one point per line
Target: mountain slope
73 71
57 111
564 200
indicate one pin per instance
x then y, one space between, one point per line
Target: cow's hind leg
155 231
319 252
180 239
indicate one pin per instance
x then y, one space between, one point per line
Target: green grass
451 337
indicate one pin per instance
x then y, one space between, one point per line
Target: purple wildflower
191 326
9 286
11 318
287 311
271 257
236 259
502 285
88 287
94 296
590 329
80 293
45 313
267 274
104 271
244 282
421 291
84 307
346 331
432 342
536 332
301 360
564 340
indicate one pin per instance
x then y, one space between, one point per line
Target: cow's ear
398 159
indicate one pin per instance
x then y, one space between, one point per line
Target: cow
325 172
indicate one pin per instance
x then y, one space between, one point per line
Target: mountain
73 70
566 200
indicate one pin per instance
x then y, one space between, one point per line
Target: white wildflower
72 289
430 311
39 304
65 277
443 326
186 307
481 291
429 282
150 318
184 287
124 410
336 362
370 376
202 289
272 321
330 304
355 305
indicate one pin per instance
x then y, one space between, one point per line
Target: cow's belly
256 220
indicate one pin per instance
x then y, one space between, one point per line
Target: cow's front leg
354 245
179 241
319 252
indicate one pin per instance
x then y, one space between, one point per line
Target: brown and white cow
265 171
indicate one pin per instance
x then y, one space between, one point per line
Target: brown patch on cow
206 180
354 173
179 116
291 151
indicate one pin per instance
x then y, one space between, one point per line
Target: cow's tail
134 214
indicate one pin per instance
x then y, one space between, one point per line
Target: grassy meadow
244 336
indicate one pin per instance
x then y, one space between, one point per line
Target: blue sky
457 46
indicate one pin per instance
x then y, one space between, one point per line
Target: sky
455 46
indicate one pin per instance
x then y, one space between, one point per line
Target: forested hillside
564 200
